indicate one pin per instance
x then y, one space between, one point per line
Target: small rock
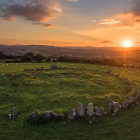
47 116
115 107
90 109
100 111
125 104
80 110
72 114
10 116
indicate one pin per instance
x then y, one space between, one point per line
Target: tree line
30 57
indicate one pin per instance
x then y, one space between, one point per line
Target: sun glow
127 43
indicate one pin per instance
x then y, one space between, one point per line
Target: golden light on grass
127 43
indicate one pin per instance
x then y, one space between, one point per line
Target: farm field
60 90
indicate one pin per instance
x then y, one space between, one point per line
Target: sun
127 43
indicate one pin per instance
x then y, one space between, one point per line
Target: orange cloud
109 21
31 10
48 25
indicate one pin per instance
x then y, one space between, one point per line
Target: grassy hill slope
60 90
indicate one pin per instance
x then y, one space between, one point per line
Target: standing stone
14 112
109 108
115 107
80 110
100 111
131 100
72 114
90 109
125 104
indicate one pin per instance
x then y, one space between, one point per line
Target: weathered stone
53 67
115 107
72 114
34 118
90 109
10 116
57 117
14 112
80 110
109 108
131 100
47 116
125 104
100 111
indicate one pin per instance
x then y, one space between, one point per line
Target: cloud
122 21
136 7
106 41
127 20
109 21
31 10
47 25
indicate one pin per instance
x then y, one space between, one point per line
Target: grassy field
60 90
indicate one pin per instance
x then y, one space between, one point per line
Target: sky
99 23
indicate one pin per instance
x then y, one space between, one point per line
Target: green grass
61 90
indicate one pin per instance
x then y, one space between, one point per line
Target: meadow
60 90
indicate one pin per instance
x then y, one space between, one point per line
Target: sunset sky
70 22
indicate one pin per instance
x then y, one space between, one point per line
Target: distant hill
88 52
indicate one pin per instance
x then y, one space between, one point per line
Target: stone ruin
48 116
45 117
112 108
35 69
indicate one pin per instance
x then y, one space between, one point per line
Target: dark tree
39 58
28 57
2 55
